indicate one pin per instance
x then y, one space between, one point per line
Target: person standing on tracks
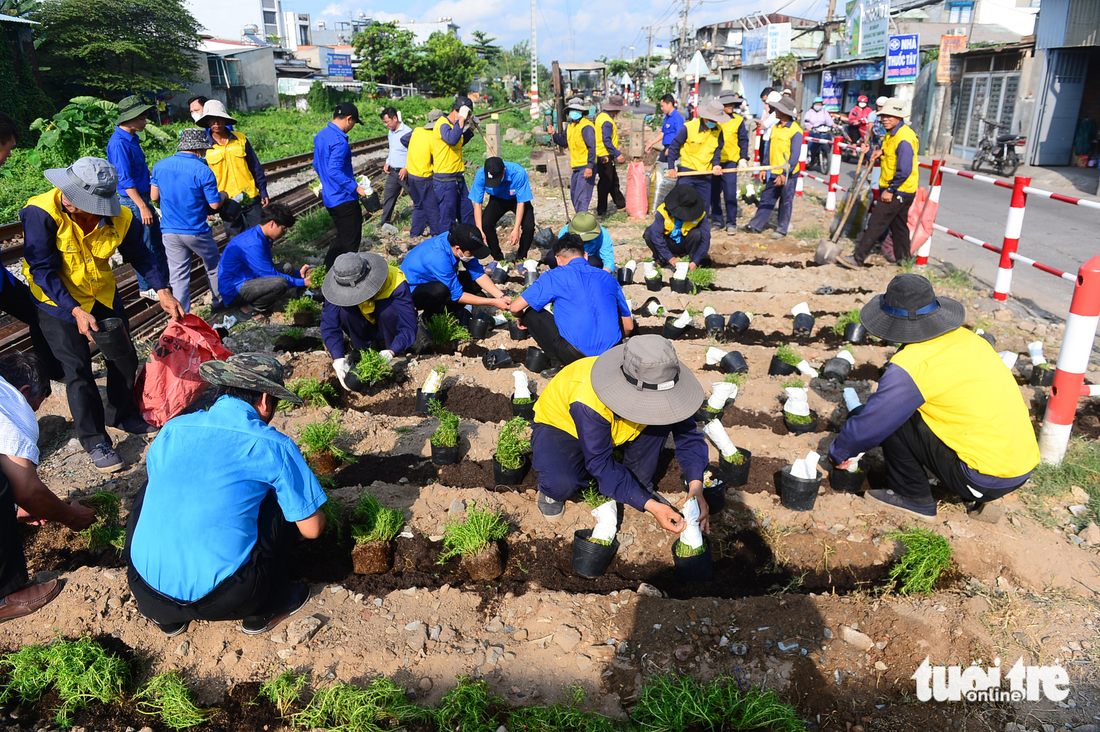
607 154
237 168
421 187
339 190
898 183
735 153
779 182
509 189
669 128
125 153
70 233
698 147
580 138
451 133
396 167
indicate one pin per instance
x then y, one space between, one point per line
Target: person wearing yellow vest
945 403
371 302
425 213
735 154
782 154
580 138
235 165
69 235
452 131
698 146
607 154
630 398
898 183
679 229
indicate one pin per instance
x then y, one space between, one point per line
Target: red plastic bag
637 191
169 381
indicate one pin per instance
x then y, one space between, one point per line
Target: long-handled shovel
852 198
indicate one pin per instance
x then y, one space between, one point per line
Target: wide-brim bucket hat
894 108
132 107
355 278
614 103
576 104
643 381
90 184
715 111
911 312
193 139
786 106
214 109
685 203
252 371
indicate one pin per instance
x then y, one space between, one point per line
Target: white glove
342 368
464 112
742 164
386 355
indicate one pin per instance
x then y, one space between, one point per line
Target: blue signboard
903 59
339 66
860 72
830 91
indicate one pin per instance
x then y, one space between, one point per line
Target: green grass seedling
469 535
927 556
107 529
787 354
512 443
284 691
318 437
372 367
167 696
844 320
444 328
374 522
446 434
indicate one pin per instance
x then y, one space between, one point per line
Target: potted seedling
785 361
675 327
803 320
510 461
374 527
733 463
476 538
739 322
530 272
432 389
593 549
732 362
679 282
445 438
516 331
500 273
625 274
797 415
652 275
302 311
701 278
849 480
317 277
1042 373
316 439
691 551
370 368
523 401
445 331
480 325
714 323
294 340
721 392
313 392
653 307
798 483
838 367
849 326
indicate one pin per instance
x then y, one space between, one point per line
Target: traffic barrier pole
801 169
1073 362
756 147
1013 225
936 179
834 176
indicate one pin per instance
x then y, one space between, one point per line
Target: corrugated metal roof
13 19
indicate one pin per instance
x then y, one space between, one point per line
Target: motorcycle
818 154
998 151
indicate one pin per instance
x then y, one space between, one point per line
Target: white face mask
863 104
817 107
196 116
466 259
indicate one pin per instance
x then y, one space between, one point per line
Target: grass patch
381 706
284 691
317 438
313 392
788 355
813 231
1079 467
926 558
375 522
512 443
167 696
469 707
444 328
844 320
469 535
671 702
107 531
302 305
562 717
701 278
446 434
372 367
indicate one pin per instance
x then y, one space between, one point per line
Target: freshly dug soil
374 557
479 474
738 417
56 548
387 468
291 344
468 402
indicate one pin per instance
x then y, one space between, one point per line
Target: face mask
817 107
196 116
466 259
710 125
574 115
863 104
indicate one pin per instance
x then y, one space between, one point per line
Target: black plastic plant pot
536 360
527 411
738 323
670 331
715 496
733 363
517 333
591 560
422 400
303 318
625 275
529 277
444 455
715 324
681 286
845 482
499 275
654 284
803 324
801 429
797 494
498 358
989 338
779 367
508 476
699 568
480 326
836 369
112 338
704 414
855 333
1041 376
731 474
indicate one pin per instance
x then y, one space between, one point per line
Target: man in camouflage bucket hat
228 495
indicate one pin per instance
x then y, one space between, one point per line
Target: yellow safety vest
573 384
697 152
419 162
972 403
731 149
448 158
670 221
578 151
779 149
230 165
85 266
393 279
889 160
601 149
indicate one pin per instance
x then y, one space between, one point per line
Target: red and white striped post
801 167
1073 362
933 200
834 176
1013 225
756 147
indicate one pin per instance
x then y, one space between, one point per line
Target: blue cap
818 100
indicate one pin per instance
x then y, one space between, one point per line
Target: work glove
742 164
342 367
387 355
464 112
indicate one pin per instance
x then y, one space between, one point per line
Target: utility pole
534 66
683 48
645 64
828 21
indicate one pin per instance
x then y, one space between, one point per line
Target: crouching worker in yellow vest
580 138
946 403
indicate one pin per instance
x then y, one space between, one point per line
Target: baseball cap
347 109
494 172
468 238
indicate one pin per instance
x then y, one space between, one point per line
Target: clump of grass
1079 467
444 328
372 367
333 510
315 393
301 305
1046 366
793 383
813 231
375 522
524 400
701 278
844 320
318 437
737 458
592 496
927 556
561 717
735 378
382 705
284 690
472 533
469 707
167 695
107 531
672 702
683 550
512 443
798 418
446 434
787 354
317 276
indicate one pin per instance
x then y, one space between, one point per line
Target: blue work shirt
433 260
186 185
588 305
514 187
332 161
248 257
198 523
399 154
125 153
674 122
600 246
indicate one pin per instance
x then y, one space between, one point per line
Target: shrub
313 392
787 354
844 320
446 434
167 695
444 328
374 522
372 367
318 437
927 556
469 535
512 443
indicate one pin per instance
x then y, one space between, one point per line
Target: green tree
20 95
389 54
115 47
483 46
452 64
661 84
783 68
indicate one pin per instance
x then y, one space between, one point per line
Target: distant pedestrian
248 276
396 163
236 167
697 148
779 181
580 139
509 189
339 190
671 125
452 132
421 186
735 153
819 123
607 154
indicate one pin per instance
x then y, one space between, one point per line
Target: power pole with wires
534 65
683 56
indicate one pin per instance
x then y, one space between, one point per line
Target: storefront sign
831 90
766 43
903 59
339 67
867 27
948 69
860 72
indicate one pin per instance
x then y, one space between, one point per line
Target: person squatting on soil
248 277
340 192
589 315
370 301
509 189
580 138
208 539
698 147
945 403
782 153
24 385
596 239
679 229
898 182
421 189
396 165
431 268
235 165
630 398
70 233
735 154
451 133
607 154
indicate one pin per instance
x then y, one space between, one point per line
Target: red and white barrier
756 147
801 168
1073 362
1014 224
936 179
834 176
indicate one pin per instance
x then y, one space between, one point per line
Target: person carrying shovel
580 138
779 182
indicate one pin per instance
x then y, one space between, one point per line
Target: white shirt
767 124
18 425
399 154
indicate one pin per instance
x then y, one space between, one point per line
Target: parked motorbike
997 150
818 154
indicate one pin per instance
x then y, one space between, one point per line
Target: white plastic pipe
717 434
683 321
650 270
847 356
797 407
631 265
709 311
1009 358
681 270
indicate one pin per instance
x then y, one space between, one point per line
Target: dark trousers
769 197
259 586
425 206
492 213
13 563
702 184
546 334
152 239
893 216
684 249
726 186
348 218
607 184
433 298
394 185
250 216
16 300
263 293
72 349
454 201
914 447
580 190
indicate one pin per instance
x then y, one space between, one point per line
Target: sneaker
390 229
749 230
105 459
731 229
171 630
924 511
135 425
256 624
550 372
550 509
847 261
27 600
778 235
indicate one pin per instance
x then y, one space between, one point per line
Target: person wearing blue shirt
509 190
431 269
596 240
248 277
125 153
186 189
208 539
339 190
672 124
396 172
590 314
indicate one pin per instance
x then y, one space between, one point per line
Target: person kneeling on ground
208 539
946 402
596 239
679 229
248 277
24 385
632 397
369 300
431 268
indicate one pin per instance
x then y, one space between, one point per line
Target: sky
577 30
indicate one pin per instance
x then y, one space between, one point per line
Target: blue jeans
153 242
